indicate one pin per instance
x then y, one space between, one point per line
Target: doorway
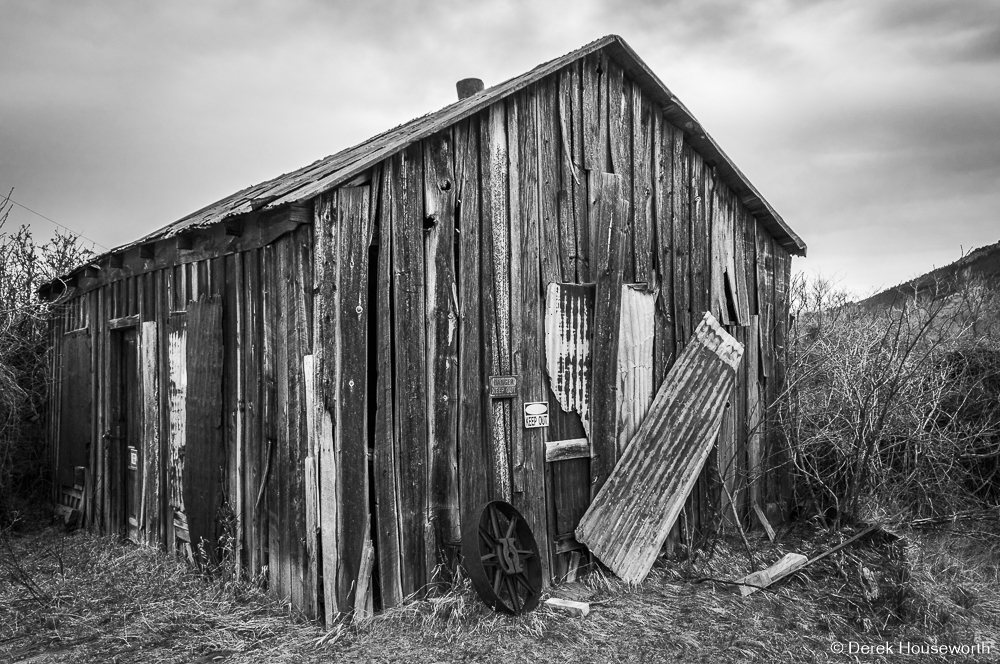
125 449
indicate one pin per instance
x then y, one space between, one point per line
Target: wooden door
126 448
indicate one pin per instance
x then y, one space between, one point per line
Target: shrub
24 330
893 408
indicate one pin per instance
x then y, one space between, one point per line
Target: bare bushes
894 409
24 328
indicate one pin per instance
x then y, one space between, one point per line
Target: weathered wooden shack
320 377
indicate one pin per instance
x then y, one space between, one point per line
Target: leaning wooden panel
204 458
630 517
411 364
442 347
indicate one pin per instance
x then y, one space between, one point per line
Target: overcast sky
872 127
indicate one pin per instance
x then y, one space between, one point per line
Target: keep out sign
536 414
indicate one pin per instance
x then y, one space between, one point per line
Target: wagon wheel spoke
512 591
497 578
523 580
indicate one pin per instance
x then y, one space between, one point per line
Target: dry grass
90 599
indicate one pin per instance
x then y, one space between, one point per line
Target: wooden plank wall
206 315
430 275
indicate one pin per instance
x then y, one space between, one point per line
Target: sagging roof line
328 173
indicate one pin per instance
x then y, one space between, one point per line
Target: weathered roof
325 174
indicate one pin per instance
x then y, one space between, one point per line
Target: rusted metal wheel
502 559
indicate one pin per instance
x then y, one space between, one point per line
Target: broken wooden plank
632 514
573 608
363 592
762 518
635 360
561 450
790 562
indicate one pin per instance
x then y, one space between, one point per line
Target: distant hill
981 264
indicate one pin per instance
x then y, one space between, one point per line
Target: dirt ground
75 597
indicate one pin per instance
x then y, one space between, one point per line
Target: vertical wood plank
516 107
204 459
411 365
661 229
754 413
556 250
351 344
496 284
594 86
386 476
576 233
680 220
611 208
527 289
442 349
475 485
151 431
255 446
643 189
325 270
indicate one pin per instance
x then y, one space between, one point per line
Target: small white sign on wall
536 414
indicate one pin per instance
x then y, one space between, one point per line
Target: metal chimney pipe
469 86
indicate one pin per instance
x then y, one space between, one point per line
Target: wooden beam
561 450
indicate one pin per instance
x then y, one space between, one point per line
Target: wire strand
80 235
